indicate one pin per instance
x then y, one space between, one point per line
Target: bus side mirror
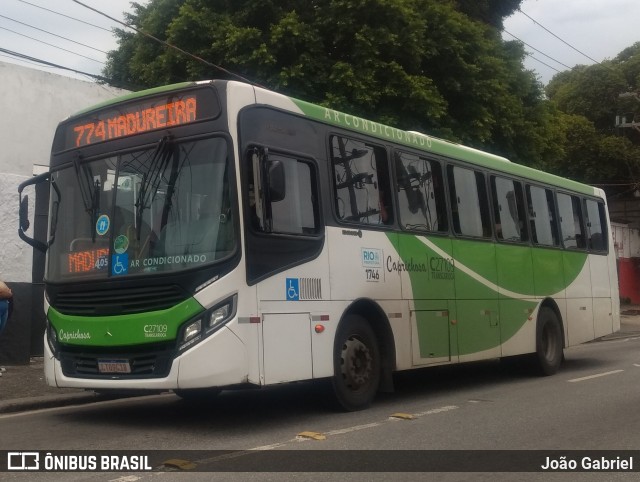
24 213
277 185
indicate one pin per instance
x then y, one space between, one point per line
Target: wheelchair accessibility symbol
293 289
119 264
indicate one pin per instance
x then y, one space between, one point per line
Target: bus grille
143 365
118 301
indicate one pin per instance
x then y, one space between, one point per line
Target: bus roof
353 123
439 146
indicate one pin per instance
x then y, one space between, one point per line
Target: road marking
595 376
342 431
436 410
636 365
302 437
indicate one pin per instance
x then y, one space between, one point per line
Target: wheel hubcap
357 364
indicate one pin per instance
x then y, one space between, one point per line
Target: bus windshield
162 209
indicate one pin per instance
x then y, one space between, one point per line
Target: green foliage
437 66
433 66
594 150
592 92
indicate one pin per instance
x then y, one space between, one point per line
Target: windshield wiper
89 190
151 179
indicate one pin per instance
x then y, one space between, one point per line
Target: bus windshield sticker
119 264
121 244
102 225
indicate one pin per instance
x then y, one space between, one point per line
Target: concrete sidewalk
23 387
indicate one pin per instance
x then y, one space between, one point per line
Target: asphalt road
592 404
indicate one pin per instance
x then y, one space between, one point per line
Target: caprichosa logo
74 335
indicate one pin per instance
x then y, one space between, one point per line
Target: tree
589 97
435 66
592 92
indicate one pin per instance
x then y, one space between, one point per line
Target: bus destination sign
134 119
136 116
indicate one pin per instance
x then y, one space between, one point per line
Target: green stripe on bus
477 284
122 330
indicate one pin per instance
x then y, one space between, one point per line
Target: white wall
32 105
626 240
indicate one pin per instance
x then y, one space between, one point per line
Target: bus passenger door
286 347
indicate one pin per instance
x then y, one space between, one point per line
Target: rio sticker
121 244
372 263
102 225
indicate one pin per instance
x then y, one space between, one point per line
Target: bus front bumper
219 360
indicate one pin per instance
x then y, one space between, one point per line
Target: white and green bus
214 235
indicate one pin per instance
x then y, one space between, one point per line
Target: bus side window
286 201
421 198
571 225
362 182
297 211
596 225
469 202
508 209
542 219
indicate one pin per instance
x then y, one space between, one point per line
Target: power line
543 63
51 45
539 51
50 33
167 44
67 16
28 58
561 40
51 64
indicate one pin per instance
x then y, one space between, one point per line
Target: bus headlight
192 330
195 331
52 338
219 316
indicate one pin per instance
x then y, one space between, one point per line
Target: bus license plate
114 366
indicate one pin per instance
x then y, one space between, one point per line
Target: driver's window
283 195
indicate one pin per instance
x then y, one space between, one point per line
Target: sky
598 29
31 28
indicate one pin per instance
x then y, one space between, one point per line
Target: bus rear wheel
356 362
549 343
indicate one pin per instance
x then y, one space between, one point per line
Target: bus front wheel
549 344
356 362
